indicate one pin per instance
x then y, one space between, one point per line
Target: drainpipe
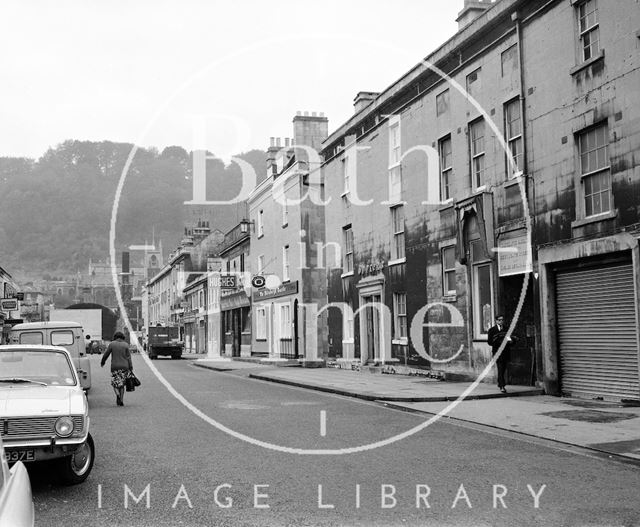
530 196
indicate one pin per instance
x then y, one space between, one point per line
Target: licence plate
20 455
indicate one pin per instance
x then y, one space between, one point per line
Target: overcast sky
147 72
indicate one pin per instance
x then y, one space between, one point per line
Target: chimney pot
306 114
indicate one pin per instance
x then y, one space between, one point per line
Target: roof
48 325
33 347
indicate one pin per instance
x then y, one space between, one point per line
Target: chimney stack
472 9
364 99
310 130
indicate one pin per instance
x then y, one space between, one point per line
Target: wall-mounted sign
8 304
370 268
514 256
289 288
258 281
228 281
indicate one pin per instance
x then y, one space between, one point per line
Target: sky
226 75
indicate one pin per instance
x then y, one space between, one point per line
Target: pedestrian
495 338
87 347
121 365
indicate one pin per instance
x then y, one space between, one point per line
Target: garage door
597 332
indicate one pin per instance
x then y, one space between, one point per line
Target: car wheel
76 467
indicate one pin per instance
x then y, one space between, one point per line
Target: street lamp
244 225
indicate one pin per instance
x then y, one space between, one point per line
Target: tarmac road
189 473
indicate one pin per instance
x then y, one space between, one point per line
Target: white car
16 501
44 413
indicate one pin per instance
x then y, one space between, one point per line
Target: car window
32 337
62 338
49 367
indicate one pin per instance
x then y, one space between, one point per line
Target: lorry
164 341
89 319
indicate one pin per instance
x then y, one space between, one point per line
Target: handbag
134 380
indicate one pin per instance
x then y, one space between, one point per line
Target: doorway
372 327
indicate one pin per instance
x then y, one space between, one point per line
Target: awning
234 301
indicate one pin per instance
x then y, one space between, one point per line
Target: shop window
261 323
482 281
347 324
285 321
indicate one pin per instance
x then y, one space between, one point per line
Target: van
69 335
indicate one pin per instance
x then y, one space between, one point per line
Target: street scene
238 289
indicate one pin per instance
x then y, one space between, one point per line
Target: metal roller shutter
597 332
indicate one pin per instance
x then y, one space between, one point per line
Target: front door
237 332
372 314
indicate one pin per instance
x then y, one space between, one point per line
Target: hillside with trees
55 212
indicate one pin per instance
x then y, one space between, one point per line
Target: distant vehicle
16 500
45 412
164 341
89 319
68 334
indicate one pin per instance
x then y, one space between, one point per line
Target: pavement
609 428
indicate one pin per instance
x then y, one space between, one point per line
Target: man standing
496 336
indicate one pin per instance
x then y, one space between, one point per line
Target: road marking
323 423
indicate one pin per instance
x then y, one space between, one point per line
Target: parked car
45 413
16 500
57 333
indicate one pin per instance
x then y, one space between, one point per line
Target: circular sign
258 281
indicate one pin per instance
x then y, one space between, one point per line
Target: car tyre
75 468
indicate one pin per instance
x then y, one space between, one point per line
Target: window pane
483 304
449 258
61 338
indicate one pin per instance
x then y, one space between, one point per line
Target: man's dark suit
494 338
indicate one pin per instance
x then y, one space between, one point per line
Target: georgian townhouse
498 176
285 236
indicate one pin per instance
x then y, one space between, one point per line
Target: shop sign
228 281
289 288
8 304
514 256
370 268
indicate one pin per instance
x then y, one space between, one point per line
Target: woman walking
121 365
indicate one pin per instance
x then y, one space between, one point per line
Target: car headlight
64 426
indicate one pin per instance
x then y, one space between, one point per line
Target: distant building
286 246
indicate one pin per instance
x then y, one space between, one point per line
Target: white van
63 333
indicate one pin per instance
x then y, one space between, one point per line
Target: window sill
397 261
594 219
348 341
587 63
347 274
401 342
514 179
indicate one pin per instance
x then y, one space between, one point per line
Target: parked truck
164 341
